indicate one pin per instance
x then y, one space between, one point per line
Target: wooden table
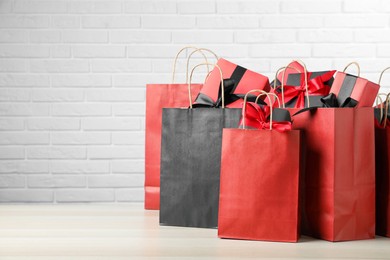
127 231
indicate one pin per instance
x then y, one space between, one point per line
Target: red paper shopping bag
159 96
382 156
360 89
239 81
259 182
382 152
339 185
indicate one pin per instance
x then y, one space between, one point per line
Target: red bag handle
357 65
177 56
222 84
201 51
262 94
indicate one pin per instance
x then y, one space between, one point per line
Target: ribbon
315 86
203 100
346 88
332 101
230 86
291 73
257 117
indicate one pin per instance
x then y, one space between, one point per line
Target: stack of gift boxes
304 154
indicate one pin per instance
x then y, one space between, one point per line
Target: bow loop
315 87
331 101
203 100
257 117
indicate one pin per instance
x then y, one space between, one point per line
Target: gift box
241 81
355 87
300 91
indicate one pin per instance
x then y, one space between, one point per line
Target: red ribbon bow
258 118
315 87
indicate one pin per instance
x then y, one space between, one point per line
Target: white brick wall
72 77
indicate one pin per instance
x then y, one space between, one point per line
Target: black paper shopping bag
190 163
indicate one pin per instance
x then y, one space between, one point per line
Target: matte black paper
190 164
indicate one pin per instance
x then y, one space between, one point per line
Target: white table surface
127 231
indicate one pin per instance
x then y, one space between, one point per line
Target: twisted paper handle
222 84
353 63
177 56
201 51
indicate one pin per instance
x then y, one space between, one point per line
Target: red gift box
295 92
243 80
355 87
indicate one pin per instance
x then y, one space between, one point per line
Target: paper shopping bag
382 165
159 96
339 190
190 164
382 155
260 172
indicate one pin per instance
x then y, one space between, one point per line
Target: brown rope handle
262 94
380 77
386 110
222 84
353 63
258 97
201 51
177 56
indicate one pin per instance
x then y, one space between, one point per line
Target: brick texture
73 75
